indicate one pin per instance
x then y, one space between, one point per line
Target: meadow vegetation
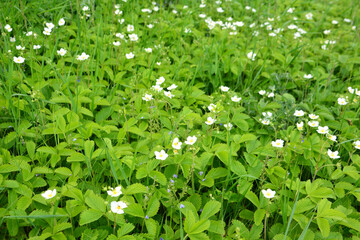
197 120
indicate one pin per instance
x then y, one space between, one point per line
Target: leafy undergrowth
179 120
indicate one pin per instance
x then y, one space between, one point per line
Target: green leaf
210 209
217 227
259 216
153 207
238 168
151 226
198 236
6 168
216 173
125 229
94 201
200 226
90 215
135 209
135 188
63 171
324 226
244 138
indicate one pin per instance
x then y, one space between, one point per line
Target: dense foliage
179 120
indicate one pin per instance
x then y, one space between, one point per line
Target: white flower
174 11
117 6
210 121
29 33
157 88
156 8
191 140
224 89
49 194
160 80
148 50
202 5
220 10
85 8
265 121
118 12
347 20
19 47
150 26
251 56
12 39
252 25
331 137
117 43
292 26
8 28
323 47
36 47
212 107
357 144
162 155
262 92
313 116
271 95
333 155
278 143
158 63
187 30
61 52
176 143
50 25
323 130
272 34
268 193
61 22
130 28
313 123
247 7
239 24
351 90
309 16
19 59
290 10
147 97
308 76
299 113
173 86
342 101
82 57
115 192
334 22
133 37
119 35
168 94
202 15
235 99
267 114
228 126
300 126
117 207
357 92
47 31
121 21
253 10
129 55
326 32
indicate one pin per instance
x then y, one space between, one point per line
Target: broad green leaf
90 215
259 216
94 201
324 226
135 209
135 188
210 209
153 207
